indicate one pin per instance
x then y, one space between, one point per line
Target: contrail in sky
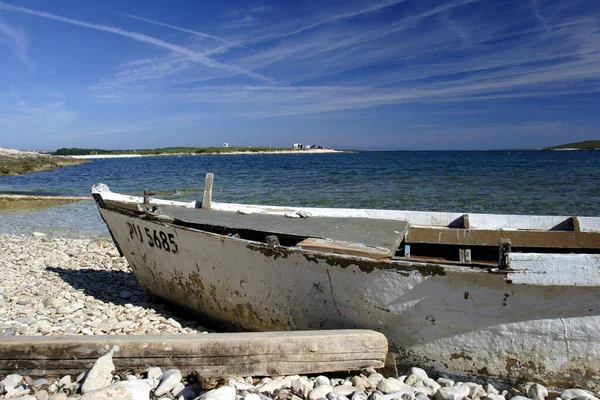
177 28
192 55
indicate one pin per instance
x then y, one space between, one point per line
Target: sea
512 181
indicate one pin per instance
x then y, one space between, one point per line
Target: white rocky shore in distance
231 153
53 286
102 382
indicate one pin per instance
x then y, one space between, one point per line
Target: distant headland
585 145
14 162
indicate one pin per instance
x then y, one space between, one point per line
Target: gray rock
41 383
284 394
430 383
571 394
319 392
64 381
125 390
335 396
489 389
272 386
405 394
475 391
222 393
537 392
10 382
452 393
445 382
345 390
494 396
361 382
168 380
190 392
412 379
54 302
390 385
153 373
359 395
376 395
251 396
375 378
419 387
58 396
421 396
322 380
100 375
419 373
302 386
241 385
42 395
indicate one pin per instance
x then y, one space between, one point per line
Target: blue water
515 182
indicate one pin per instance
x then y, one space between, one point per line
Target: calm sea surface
515 182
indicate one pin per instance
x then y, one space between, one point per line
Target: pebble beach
57 286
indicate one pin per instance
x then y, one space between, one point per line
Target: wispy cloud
192 55
17 39
45 115
186 30
428 54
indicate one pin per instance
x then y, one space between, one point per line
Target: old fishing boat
510 297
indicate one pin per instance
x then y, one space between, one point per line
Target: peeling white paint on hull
449 319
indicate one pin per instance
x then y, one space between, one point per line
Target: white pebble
168 380
452 393
389 385
322 380
570 394
302 386
222 393
419 372
537 392
319 392
153 373
124 390
100 375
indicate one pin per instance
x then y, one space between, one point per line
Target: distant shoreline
230 153
16 162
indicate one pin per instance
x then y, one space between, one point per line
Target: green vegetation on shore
170 150
585 145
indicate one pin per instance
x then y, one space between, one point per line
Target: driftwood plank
220 354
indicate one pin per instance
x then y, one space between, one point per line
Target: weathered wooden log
210 355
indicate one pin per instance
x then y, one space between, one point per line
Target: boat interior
378 238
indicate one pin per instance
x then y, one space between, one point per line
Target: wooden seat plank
384 233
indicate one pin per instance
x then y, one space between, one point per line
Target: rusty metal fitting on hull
147 195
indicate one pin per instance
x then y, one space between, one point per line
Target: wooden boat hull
453 320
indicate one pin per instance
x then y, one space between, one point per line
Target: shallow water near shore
513 182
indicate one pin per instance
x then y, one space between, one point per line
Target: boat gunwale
414 218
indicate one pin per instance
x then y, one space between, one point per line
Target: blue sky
381 74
